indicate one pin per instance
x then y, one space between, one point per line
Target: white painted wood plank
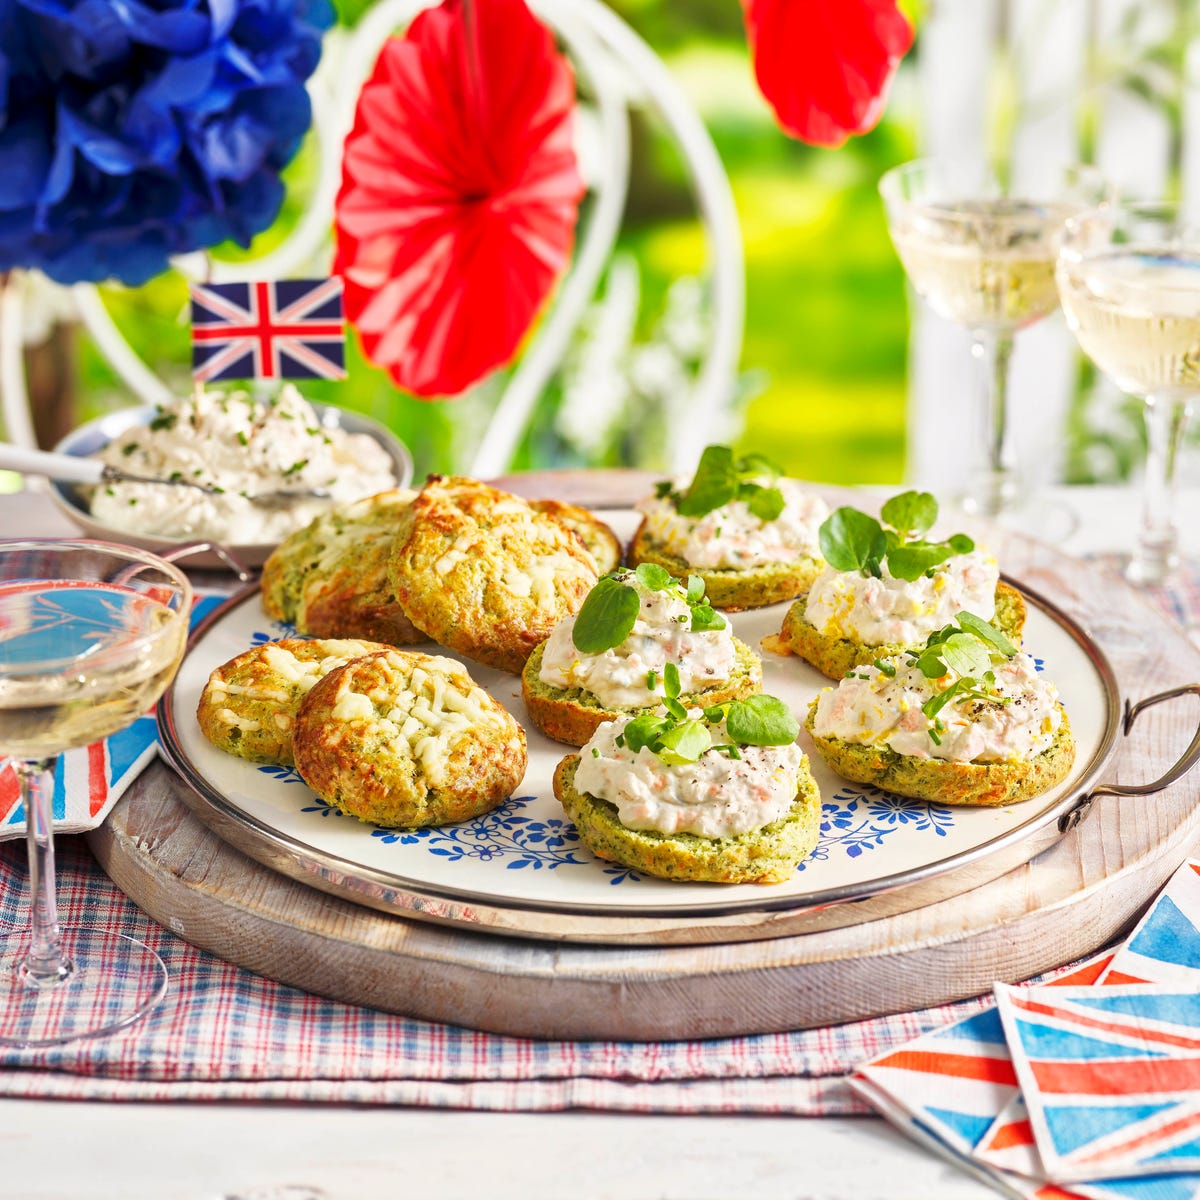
200 1152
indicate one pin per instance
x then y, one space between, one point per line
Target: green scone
572 715
944 782
769 854
836 656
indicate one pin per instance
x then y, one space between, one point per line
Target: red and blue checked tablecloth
224 1033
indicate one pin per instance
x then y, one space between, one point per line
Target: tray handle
188 549
1186 761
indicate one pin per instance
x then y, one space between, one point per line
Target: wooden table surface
241 1152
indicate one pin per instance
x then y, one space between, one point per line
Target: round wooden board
1073 898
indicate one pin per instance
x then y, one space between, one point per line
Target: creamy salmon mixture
732 536
715 797
630 675
890 611
869 708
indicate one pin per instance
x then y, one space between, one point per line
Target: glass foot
1150 565
114 981
1032 515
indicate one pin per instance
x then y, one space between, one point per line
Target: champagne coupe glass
981 254
90 636
1129 278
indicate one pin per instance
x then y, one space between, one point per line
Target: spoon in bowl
70 468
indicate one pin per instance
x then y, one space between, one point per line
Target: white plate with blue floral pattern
521 869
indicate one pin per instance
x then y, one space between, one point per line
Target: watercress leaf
705 618
663 488
676 709
766 503
987 632
653 577
913 559
642 730
960 543
910 513
761 720
758 465
671 679
851 540
965 654
606 617
684 743
715 713
714 484
930 663
695 589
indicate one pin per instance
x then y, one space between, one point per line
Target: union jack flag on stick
282 329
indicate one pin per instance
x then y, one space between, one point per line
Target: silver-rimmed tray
521 871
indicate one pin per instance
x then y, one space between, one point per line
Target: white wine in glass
91 634
1129 278
983 256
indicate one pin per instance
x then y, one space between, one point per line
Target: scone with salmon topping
749 534
248 706
484 573
404 739
330 579
722 795
640 638
886 588
967 719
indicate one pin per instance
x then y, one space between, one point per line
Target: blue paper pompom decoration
131 130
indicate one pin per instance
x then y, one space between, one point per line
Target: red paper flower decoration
460 192
825 65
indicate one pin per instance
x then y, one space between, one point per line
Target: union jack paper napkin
89 781
1111 1077
957 1090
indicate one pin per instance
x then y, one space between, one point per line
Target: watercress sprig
611 608
721 478
970 649
852 540
675 737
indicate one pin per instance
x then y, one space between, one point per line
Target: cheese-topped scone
484 573
641 637
602 544
885 588
403 739
967 719
330 579
748 533
248 706
723 795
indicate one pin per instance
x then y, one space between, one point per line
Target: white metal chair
621 71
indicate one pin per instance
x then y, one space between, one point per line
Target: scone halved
835 656
572 715
731 588
769 854
943 782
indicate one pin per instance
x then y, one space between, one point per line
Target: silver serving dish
461 876
90 438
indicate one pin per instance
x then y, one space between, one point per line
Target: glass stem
1166 417
992 349
45 965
